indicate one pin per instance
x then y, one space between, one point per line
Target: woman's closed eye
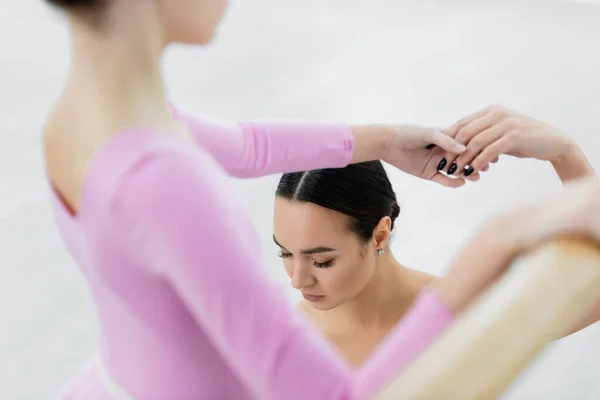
282 254
325 264
316 264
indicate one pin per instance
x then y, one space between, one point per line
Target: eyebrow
314 250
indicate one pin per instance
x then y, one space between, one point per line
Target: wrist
569 152
371 142
571 163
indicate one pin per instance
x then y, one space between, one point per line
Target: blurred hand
573 212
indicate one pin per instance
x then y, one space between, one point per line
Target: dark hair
361 191
91 11
80 5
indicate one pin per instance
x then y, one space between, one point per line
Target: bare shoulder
64 161
427 279
417 280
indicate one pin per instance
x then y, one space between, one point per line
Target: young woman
171 259
333 227
172 262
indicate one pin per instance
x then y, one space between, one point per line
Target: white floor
377 60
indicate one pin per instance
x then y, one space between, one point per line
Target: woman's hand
416 150
497 130
573 212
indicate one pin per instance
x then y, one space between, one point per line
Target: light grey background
356 61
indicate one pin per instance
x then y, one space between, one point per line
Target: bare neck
115 83
115 79
388 295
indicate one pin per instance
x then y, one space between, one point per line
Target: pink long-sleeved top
173 262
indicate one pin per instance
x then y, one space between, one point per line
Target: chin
195 37
322 305
197 40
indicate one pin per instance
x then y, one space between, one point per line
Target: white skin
361 294
324 258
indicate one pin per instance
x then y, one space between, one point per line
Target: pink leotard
174 266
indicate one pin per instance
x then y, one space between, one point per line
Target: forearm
253 149
482 263
590 318
286 147
572 165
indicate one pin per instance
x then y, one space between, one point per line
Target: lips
311 297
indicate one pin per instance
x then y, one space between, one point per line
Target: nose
301 276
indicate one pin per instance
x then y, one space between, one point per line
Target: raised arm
572 164
205 246
497 130
253 149
574 212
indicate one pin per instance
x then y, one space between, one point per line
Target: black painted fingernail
469 171
452 168
442 164
431 146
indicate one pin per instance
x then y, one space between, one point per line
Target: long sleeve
251 149
193 233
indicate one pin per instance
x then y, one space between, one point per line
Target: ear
382 232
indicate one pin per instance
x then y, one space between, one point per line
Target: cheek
348 278
194 21
289 267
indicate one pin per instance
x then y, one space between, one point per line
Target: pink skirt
87 384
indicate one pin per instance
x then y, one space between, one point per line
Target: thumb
440 139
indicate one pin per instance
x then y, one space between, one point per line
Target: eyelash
281 254
323 265
326 264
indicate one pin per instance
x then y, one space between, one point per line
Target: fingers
456 127
474 177
445 142
476 145
474 128
476 131
447 181
472 132
451 182
490 153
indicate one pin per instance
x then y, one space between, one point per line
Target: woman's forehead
308 222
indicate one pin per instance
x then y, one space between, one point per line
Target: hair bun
395 211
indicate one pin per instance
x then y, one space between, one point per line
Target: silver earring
381 252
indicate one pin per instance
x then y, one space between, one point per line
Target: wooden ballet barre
539 299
